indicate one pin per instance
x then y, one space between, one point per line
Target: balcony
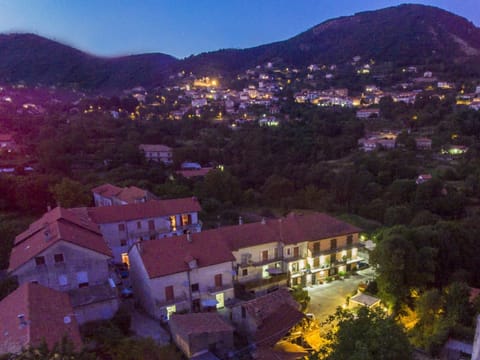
217 289
334 251
267 261
271 280
175 300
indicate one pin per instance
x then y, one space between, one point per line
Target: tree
70 193
369 334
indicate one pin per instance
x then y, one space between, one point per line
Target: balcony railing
216 289
334 250
175 300
271 280
266 261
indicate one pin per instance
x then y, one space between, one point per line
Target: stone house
66 252
200 333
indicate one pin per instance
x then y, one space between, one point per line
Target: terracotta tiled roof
198 323
107 190
132 193
292 229
47 314
171 255
194 172
6 137
155 147
275 314
56 225
150 209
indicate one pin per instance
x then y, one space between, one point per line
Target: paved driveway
325 298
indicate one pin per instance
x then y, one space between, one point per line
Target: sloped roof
198 323
47 314
55 226
172 255
292 229
107 190
154 147
275 314
150 209
128 194
191 173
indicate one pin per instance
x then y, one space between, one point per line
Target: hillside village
264 203
87 258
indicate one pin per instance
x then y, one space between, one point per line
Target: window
139 225
195 287
40 260
82 279
186 219
169 293
218 280
121 227
244 272
349 239
123 242
265 255
58 258
294 266
289 251
316 262
333 244
62 280
244 312
173 223
151 225
316 248
295 251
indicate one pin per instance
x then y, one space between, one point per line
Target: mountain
405 34
402 35
34 59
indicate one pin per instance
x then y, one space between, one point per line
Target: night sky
184 27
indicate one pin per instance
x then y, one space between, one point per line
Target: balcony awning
209 302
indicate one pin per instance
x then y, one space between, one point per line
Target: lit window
173 223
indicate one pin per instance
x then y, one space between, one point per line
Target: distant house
193 173
267 319
108 195
66 252
423 143
423 178
157 152
199 333
387 143
124 225
185 273
34 313
368 113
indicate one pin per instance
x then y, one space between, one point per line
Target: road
325 298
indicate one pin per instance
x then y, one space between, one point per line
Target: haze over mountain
405 34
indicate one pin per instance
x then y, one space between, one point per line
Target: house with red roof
34 314
66 252
201 333
267 319
185 273
158 153
108 195
122 226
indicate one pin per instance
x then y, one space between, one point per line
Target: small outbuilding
199 333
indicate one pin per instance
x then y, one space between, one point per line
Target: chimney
240 220
189 237
264 221
49 208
